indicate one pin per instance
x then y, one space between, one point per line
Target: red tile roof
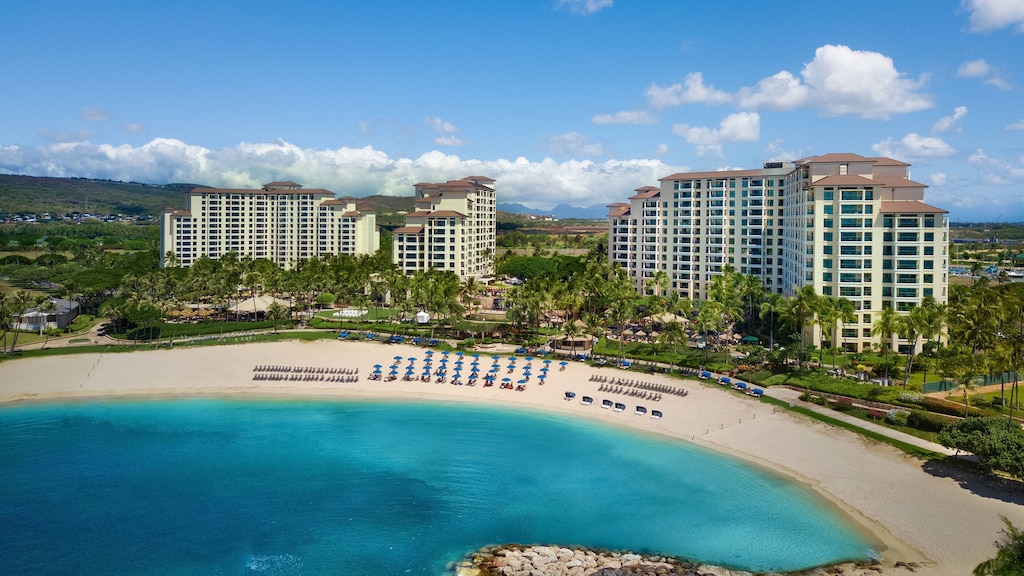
713 174
646 192
446 214
909 207
897 182
409 230
846 180
883 161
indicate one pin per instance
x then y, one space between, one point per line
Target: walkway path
793 397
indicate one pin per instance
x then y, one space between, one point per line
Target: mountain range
33 194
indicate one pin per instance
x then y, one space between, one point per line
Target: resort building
848 225
453 228
57 313
281 222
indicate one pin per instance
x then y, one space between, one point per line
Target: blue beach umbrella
459 353
376 370
563 363
458 362
412 359
546 361
495 357
544 369
506 379
529 358
445 352
494 369
476 355
429 352
377 366
542 377
398 357
521 382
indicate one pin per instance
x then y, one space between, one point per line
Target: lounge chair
656 414
640 411
587 401
607 403
619 407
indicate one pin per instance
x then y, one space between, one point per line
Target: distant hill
35 195
562 211
31 194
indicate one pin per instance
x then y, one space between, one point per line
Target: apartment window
827 195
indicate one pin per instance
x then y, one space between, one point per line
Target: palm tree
799 310
772 307
752 290
45 306
931 321
18 303
672 333
826 312
885 324
1009 560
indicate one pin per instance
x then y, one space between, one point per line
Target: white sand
915 515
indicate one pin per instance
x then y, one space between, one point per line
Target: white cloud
775 151
740 127
440 126
63 136
783 91
1018 125
572 144
838 81
995 170
981 69
449 141
989 15
638 117
94 114
444 131
661 150
134 128
974 69
914 147
950 123
346 171
845 81
585 6
938 178
691 91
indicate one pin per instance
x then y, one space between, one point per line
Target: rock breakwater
516 560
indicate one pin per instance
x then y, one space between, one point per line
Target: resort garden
590 309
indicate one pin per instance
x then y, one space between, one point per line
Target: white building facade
452 229
848 225
281 222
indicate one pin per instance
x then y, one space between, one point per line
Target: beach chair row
639 384
641 394
304 369
302 377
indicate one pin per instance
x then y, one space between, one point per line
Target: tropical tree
1009 560
277 312
885 325
672 334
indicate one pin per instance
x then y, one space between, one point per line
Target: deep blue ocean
221 487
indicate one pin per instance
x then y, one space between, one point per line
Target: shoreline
913 514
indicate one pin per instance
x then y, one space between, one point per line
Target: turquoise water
211 487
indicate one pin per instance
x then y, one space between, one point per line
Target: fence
986 380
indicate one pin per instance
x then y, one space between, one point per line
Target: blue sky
561 101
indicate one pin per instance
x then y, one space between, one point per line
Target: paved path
793 397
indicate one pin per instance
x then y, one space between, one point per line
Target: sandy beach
917 512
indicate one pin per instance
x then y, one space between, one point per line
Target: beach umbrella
506 379
458 362
494 369
445 352
563 363
542 377
378 366
412 359
495 357
544 369
474 363
476 355
521 382
376 370
529 358
546 361
459 353
398 357
429 352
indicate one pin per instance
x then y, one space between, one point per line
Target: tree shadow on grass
971 477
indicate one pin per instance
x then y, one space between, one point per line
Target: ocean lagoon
230 487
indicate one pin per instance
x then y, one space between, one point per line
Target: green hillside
34 195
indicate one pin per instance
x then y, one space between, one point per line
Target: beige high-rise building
453 228
848 225
281 222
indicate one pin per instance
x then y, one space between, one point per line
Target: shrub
842 404
897 417
910 397
926 422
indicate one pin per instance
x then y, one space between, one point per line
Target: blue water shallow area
213 487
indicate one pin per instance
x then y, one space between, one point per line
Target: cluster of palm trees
12 305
